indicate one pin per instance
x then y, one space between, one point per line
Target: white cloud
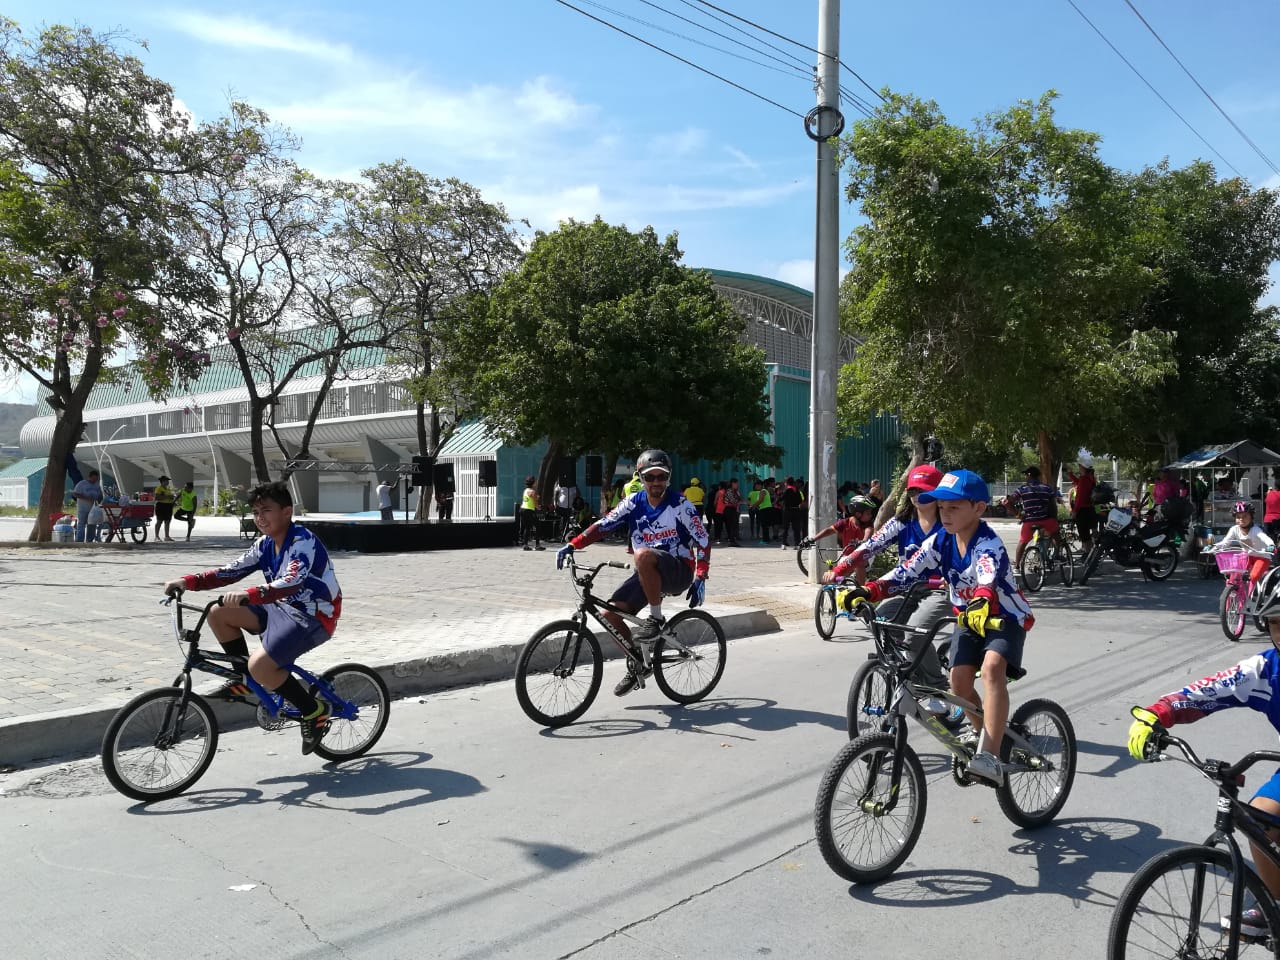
798 273
742 159
246 33
682 144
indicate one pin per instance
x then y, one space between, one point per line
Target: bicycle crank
267 722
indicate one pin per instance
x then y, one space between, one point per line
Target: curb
67 734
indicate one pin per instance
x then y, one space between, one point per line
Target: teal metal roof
24 468
787 293
470 439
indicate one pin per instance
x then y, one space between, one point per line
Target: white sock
655 611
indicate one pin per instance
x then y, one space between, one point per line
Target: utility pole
824 122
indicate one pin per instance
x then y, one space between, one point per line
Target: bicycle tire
824 612
1031 568
132 747
827 556
1157 571
1091 562
545 653
702 632
1047 726
862 769
1231 611
1066 562
1179 897
866 710
357 684
138 533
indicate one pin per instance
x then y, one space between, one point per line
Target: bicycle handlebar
1219 771
864 611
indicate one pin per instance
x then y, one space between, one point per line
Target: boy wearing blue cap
971 558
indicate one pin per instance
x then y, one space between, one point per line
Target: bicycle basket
1232 560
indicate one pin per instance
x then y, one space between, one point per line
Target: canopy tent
1242 453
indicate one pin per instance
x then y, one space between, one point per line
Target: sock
655 611
296 693
239 647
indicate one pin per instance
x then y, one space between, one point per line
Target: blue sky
555 115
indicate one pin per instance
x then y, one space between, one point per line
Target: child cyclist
1248 535
852 530
296 610
1253 682
972 561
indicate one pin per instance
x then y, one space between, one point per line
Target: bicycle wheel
1175 904
1160 563
1091 561
824 613
1066 562
801 562
867 710
350 737
1031 798
558 673
1231 610
687 676
149 753
1031 568
861 840
138 533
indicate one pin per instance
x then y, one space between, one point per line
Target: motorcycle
1153 546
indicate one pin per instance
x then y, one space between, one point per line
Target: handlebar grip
996 623
175 593
619 565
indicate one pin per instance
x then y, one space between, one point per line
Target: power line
1185 121
798 67
803 46
694 6
1247 139
675 56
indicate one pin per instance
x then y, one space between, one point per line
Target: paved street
643 831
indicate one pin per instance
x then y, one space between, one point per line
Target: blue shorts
968 649
1271 790
676 576
287 633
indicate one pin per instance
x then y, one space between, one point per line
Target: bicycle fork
867 802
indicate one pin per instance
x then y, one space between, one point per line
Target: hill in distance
13 416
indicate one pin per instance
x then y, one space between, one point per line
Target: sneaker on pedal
232 690
648 629
968 736
955 718
988 767
628 683
1253 923
314 728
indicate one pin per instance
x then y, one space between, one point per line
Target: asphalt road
644 831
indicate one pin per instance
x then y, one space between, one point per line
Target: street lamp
213 457
104 449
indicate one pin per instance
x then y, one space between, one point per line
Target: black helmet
1266 602
653 460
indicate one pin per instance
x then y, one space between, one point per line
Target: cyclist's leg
229 625
1002 652
289 633
629 597
1024 537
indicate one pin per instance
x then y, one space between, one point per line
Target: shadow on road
752 714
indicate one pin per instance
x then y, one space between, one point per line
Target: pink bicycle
1233 604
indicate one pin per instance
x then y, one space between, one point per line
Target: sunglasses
656 477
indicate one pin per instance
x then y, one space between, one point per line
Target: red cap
924 477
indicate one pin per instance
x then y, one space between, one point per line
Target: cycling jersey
300 575
850 531
984 571
1039 501
1255 539
673 527
1253 682
908 535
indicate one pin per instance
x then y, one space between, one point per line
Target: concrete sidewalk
84 631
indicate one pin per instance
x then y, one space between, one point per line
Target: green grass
17 511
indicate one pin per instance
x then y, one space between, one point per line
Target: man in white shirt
384 501
87 492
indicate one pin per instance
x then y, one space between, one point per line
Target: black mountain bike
871 801
162 741
559 670
1186 902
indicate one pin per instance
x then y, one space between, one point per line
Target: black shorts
676 576
968 649
1086 522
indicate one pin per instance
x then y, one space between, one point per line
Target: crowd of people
94 503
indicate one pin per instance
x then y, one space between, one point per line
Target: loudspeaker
442 477
488 475
595 471
568 472
419 476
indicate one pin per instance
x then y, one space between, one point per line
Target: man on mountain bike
971 560
295 611
671 546
1039 509
1253 682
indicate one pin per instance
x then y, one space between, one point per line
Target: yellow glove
1146 728
976 615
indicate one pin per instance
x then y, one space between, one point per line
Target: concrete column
378 452
177 469
234 470
127 474
305 485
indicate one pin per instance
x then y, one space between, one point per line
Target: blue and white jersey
984 571
1253 682
672 526
299 575
907 535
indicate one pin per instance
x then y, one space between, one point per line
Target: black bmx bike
1187 902
872 799
162 741
559 670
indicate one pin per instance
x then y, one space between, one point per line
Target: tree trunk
425 449
1170 441
257 405
66 433
1050 457
898 489
549 472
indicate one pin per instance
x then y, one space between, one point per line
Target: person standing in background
384 501
87 493
164 508
732 512
695 495
1271 513
187 502
529 515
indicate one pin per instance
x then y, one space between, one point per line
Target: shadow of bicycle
713 717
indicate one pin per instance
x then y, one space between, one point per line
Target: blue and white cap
958 485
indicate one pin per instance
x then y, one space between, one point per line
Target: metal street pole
824 122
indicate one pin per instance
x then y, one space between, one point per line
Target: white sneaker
988 767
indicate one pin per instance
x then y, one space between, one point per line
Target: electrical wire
675 56
1184 120
1208 96
694 6
798 66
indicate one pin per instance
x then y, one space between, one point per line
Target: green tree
423 254
603 342
90 263
992 265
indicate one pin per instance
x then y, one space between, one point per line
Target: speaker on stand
487 478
